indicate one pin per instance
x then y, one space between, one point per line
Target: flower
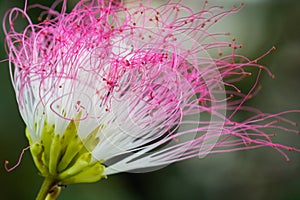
113 87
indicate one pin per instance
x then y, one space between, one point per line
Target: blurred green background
249 175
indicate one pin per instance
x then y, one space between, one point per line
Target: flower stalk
49 190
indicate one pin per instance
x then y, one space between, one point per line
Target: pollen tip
272 76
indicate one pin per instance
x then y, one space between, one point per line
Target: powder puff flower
112 87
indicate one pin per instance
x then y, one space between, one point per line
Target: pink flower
151 84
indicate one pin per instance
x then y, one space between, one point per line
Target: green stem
49 190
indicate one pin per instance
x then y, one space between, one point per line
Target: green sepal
91 141
69 134
47 137
37 152
55 151
82 162
27 133
74 146
90 174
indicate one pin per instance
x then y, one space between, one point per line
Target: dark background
249 175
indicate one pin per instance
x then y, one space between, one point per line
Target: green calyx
65 158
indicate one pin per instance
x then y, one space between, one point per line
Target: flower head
113 87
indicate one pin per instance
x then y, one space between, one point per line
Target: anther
272 76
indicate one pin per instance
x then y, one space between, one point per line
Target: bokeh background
249 175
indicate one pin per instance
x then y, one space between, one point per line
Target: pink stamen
18 163
104 60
